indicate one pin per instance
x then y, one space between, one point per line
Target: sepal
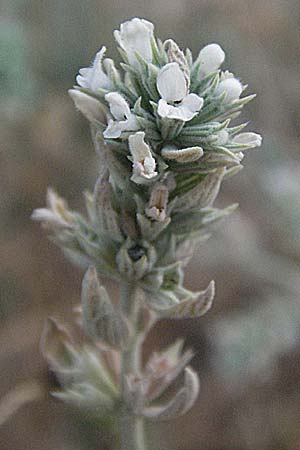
135 260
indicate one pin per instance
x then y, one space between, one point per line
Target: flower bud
232 87
135 36
252 140
211 57
156 209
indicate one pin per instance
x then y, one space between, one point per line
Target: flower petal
135 36
192 102
143 162
118 106
171 112
131 124
171 83
251 139
138 147
113 130
93 77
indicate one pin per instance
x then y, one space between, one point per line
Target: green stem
132 431
131 425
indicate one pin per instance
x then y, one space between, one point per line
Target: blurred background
247 348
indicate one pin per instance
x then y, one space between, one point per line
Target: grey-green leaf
194 306
100 319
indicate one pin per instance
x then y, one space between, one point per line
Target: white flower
210 57
93 77
135 36
124 119
252 140
143 162
231 85
176 102
90 107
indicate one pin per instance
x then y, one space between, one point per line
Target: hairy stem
132 426
132 431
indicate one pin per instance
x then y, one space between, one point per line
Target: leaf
203 130
190 221
57 346
195 306
181 402
203 194
184 155
100 319
108 220
164 367
86 395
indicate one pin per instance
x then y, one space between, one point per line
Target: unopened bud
232 87
157 207
91 108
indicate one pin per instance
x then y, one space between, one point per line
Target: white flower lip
172 87
171 83
143 162
211 57
93 77
135 36
251 139
125 120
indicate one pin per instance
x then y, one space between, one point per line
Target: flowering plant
161 129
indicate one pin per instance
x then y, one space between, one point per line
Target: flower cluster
161 124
